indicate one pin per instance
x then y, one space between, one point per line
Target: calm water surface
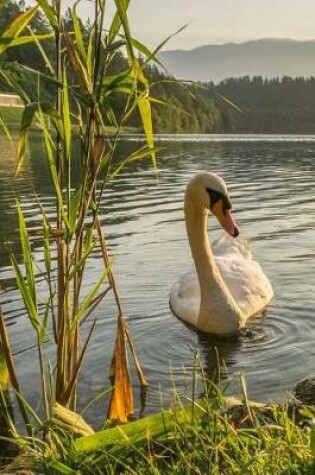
271 182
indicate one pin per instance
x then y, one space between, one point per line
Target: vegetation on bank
214 435
279 105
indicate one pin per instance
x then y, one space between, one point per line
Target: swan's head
211 192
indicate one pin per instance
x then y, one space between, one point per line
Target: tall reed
84 82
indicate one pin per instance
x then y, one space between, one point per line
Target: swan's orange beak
225 218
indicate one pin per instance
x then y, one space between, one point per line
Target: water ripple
271 181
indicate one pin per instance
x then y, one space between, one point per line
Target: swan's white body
227 286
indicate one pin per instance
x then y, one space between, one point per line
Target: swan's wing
185 297
245 279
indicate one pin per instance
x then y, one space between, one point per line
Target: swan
228 286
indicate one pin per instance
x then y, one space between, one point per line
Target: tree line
235 105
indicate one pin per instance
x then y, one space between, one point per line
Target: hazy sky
217 21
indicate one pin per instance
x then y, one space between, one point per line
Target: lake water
271 181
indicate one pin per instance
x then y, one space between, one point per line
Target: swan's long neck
218 312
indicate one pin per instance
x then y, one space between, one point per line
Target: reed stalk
81 72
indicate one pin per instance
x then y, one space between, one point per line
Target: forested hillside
285 105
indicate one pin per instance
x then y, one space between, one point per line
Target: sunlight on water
271 181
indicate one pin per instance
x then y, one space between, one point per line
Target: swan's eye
216 196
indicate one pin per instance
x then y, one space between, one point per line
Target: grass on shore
213 438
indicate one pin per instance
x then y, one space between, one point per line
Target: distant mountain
267 57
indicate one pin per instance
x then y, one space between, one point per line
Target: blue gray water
271 181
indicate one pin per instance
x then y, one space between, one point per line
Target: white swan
228 287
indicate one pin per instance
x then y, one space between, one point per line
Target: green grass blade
61 468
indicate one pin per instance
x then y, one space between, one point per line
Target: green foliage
268 105
215 435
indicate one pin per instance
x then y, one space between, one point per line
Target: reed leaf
79 37
24 40
116 24
150 55
50 13
50 79
89 298
25 293
4 373
74 378
43 325
48 63
139 154
162 44
121 406
52 166
66 118
155 426
121 82
10 81
74 209
29 113
88 239
80 263
27 254
122 6
146 118
71 421
47 251
230 103
90 56
81 70
26 122
16 26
